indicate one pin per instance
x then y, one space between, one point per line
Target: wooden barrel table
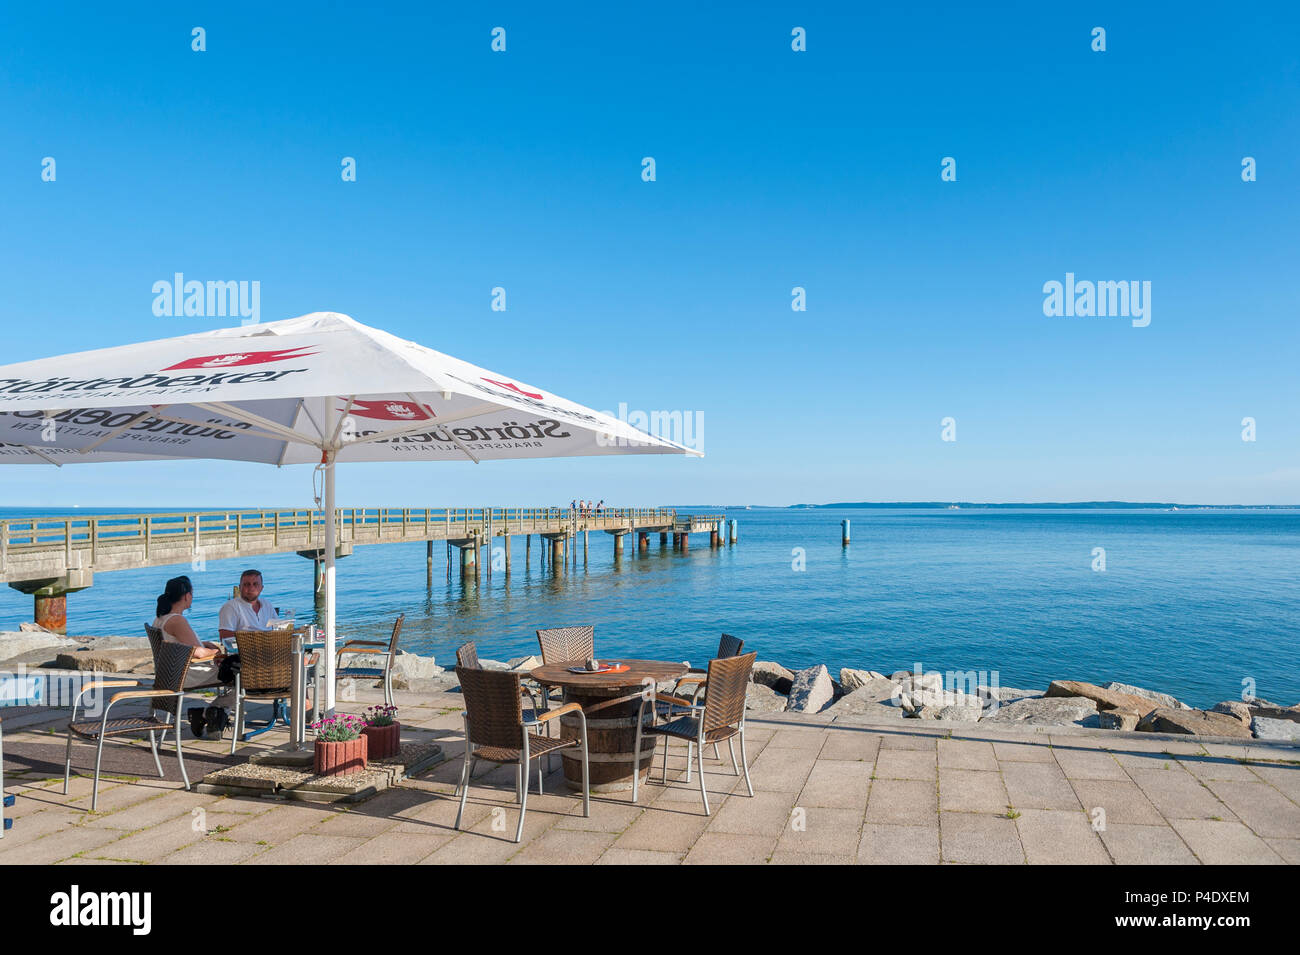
611 729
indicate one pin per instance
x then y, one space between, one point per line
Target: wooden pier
50 557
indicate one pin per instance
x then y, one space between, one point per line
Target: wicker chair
166 697
265 675
156 639
498 730
722 717
567 644
728 646
370 646
467 656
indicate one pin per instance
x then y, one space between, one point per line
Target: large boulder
1234 708
1118 719
1273 711
763 699
121 660
872 699
1193 723
1047 711
1285 730
16 643
1162 699
772 674
965 712
851 680
1004 694
811 690
1104 698
910 682
524 664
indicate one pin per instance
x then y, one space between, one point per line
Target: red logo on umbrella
233 359
510 385
391 411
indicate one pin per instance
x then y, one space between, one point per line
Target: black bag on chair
229 667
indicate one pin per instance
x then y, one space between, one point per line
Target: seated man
247 611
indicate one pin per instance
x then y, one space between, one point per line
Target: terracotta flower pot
338 759
385 741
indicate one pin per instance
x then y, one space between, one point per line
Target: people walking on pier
247 611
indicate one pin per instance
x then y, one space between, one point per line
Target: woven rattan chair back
265 659
561 644
467 656
171 666
729 646
494 712
156 639
725 703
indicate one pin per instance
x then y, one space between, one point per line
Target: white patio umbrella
319 389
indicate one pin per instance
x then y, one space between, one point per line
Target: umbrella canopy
317 389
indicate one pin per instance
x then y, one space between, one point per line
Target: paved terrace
909 792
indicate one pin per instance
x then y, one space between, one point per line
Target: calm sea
1190 602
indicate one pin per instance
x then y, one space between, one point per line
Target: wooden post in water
844 533
735 534
686 542
584 548
506 539
428 564
478 571
713 537
528 551
663 538
557 550
618 546
642 542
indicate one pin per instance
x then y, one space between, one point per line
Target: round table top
557 674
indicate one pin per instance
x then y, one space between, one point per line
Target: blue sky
774 169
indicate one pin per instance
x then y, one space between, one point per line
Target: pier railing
37 547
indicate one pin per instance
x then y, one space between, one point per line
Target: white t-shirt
237 614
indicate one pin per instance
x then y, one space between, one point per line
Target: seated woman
176 598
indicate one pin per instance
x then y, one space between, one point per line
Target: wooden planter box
339 759
385 741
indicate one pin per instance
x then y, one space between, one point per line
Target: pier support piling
428 564
686 542
50 597
663 538
642 542
734 535
844 533
557 551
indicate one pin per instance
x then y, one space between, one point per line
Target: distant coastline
1067 506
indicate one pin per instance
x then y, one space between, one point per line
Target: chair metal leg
94 791
715 751
464 784
586 775
539 775
153 745
703 792
690 755
67 765
665 779
239 718
744 760
523 779
180 757
731 747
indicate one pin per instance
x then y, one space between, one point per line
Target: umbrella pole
331 546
